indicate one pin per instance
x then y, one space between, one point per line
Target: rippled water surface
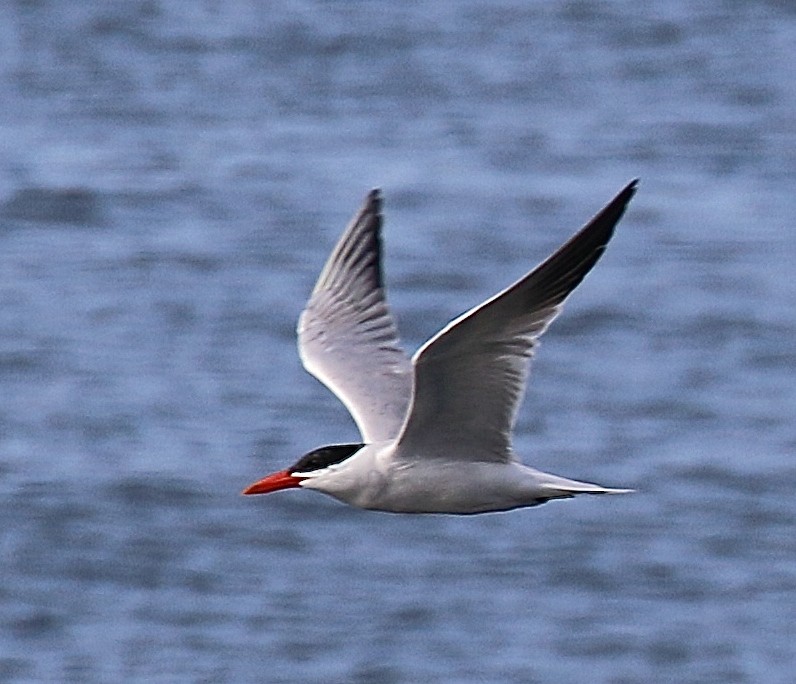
173 176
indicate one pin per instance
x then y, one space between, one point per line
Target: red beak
273 483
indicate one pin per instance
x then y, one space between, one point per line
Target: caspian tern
436 430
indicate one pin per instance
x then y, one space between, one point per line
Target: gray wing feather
470 377
346 333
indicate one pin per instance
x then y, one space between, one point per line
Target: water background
173 176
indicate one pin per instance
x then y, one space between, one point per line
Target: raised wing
470 377
347 336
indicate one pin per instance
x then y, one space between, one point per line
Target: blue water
172 178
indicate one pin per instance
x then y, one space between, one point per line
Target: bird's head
316 460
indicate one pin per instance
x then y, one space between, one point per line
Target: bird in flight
436 428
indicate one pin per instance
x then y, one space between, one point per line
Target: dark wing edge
550 283
355 261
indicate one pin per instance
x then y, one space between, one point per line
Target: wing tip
626 194
604 221
373 200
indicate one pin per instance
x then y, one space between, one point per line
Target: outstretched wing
347 336
470 377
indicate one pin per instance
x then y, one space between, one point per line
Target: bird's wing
470 377
347 337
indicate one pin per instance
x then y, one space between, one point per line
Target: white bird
436 430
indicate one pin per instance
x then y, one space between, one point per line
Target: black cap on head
324 456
